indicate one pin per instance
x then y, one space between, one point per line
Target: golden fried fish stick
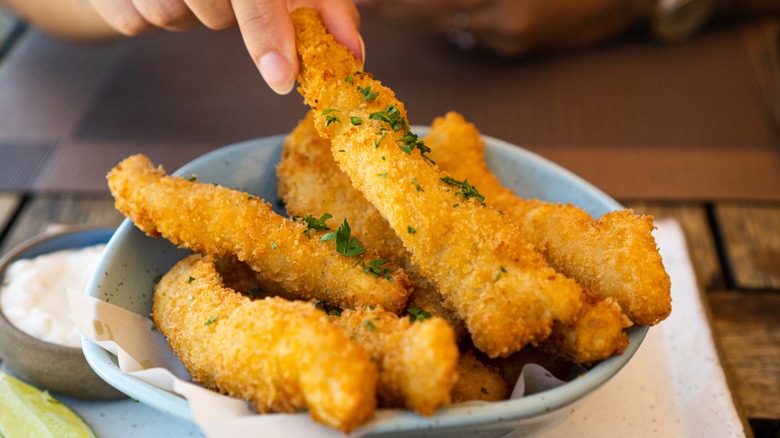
283 356
417 361
615 256
504 291
477 381
220 221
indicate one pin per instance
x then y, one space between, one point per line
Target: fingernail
277 72
362 49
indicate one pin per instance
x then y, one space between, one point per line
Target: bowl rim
17 252
446 417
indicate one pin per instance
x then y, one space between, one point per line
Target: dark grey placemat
637 120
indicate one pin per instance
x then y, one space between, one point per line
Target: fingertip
277 71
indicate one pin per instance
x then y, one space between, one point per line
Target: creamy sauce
34 294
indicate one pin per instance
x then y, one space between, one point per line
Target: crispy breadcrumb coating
283 356
220 221
505 292
477 381
615 256
417 361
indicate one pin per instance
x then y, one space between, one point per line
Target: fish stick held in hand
505 292
220 221
283 356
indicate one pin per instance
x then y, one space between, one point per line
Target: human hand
516 27
265 26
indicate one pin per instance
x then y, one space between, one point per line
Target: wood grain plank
747 327
46 210
751 237
698 234
8 205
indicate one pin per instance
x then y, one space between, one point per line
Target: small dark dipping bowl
59 369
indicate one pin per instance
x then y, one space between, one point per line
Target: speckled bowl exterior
56 368
133 260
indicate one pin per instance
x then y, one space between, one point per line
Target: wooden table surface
734 246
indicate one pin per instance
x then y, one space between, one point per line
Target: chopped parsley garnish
411 230
345 243
465 190
190 280
349 80
417 186
370 325
250 197
391 115
383 175
330 117
356 120
410 141
274 245
153 327
313 223
211 320
193 178
417 314
367 93
375 268
501 270
157 278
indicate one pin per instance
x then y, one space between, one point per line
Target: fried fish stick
220 221
504 291
417 361
615 256
283 356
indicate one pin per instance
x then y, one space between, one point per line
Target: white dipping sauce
34 294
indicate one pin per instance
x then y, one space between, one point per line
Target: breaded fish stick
220 221
615 256
283 356
504 291
417 361
310 180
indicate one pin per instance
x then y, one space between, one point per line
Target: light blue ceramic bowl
126 274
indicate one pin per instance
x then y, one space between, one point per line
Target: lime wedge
26 411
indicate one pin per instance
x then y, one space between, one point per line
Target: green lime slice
26 411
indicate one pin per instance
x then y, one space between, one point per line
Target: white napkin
674 386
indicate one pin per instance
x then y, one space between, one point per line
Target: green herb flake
374 267
383 175
330 117
370 325
349 80
411 230
501 270
190 280
367 93
274 245
312 223
157 278
357 121
465 190
193 178
210 321
417 314
153 327
346 244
